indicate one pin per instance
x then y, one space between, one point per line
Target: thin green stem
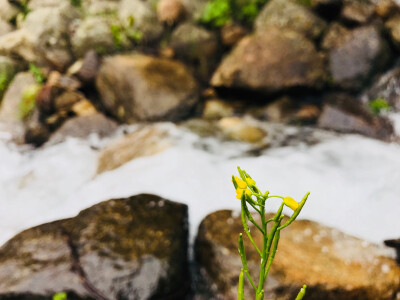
261 278
244 261
245 227
250 217
241 285
274 248
302 292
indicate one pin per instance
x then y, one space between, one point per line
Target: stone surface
144 141
279 110
393 25
240 129
271 61
5 27
139 87
363 53
47 29
133 248
346 114
335 36
357 11
10 106
387 86
197 46
332 264
288 14
94 33
86 70
217 109
232 33
84 126
170 11
7 11
144 17
194 9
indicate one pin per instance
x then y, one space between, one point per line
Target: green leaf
60 296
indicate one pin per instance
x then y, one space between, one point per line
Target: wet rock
280 110
170 11
393 25
197 46
84 126
100 7
357 11
10 110
240 129
146 141
363 53
387 8
345 114
271 61
387 86
84 107
307 114
329 9
36 132
232 33
288 14
8 68
7 11
94 33
396 245
332 264
133 248
217 109
335 36
66 100
138 87
5 27
143 15
194 9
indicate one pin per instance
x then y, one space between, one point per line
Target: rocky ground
73 68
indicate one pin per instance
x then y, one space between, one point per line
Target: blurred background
122 122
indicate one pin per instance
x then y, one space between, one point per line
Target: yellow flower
290 202
239 192
240 183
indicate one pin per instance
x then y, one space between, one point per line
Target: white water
354 181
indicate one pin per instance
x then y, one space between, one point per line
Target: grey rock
288 14
271 61
139 87
133 248
362 54
345 114
83 126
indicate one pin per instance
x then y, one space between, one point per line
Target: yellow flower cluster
242 186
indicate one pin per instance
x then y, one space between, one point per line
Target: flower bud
290 202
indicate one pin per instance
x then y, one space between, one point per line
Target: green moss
36 72
28 101
379 105
76 3
306 3
60 296
116 32
3 81
218 12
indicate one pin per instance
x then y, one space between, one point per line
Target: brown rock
241 129
332 264
232 33
145 141
170 11
271 61
357 11
90 67
143 88
335 36
387 8
133 248
393 25
345 114
217 109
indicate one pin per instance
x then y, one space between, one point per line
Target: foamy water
354 181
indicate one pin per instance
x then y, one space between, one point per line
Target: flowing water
353 180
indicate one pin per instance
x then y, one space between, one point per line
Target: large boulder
139 87
332 264
271 61
291 15
362 53
345 114
133 248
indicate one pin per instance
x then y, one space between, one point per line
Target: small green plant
116 31
76 3
60 296
3 81
379 105
25 9
219 12
37 73
28 101
250 194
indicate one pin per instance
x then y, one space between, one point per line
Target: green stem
261 279
244 261
245 227
241 286
301 293
274 247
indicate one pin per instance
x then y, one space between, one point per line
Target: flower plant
250 195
